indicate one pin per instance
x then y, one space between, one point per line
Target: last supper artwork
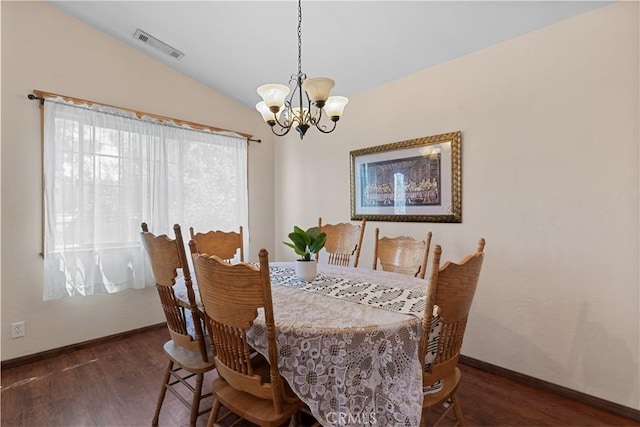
413 181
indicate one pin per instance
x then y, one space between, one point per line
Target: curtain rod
41 95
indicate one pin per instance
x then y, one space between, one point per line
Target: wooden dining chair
344 240
224 244
189 353
249 387
450 292
404 255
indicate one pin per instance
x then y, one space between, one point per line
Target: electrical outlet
18 330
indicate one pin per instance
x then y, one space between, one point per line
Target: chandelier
306 102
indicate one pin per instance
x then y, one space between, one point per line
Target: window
106 171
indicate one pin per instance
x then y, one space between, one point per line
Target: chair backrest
343 241
451 289
232 295
402 254
223 244
167 256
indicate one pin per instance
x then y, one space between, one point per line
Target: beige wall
550 157
43 48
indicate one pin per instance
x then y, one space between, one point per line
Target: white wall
550 178
45 49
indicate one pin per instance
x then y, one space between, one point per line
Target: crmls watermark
347 418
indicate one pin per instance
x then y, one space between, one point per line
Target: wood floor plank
116 384
492 400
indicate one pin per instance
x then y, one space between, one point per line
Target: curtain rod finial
33 98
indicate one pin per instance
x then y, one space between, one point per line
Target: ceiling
235 46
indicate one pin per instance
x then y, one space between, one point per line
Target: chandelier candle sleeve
300 106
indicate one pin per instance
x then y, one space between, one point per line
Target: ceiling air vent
157 44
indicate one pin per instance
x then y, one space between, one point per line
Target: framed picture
418 180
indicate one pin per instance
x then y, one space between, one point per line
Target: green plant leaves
306 242
318 243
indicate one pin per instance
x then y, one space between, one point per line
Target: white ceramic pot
306 270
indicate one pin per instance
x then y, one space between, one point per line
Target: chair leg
296 419
195 405
423 418
457 410
214 413
163 391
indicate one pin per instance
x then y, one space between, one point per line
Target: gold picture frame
418 180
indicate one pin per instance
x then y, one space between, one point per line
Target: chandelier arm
308 117
275 116
303 119
283 128
322 128
287 109
316 121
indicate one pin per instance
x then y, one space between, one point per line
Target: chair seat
449 387
189 360
251 408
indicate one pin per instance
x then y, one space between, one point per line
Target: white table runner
391 298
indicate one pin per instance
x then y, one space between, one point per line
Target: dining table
348 342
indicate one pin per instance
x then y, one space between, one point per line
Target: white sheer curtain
106 171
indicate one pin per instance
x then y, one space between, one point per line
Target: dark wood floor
116 384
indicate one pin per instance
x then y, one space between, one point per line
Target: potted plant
305 243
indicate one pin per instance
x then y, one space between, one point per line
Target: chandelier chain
299 37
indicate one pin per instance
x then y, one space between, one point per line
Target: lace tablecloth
351 363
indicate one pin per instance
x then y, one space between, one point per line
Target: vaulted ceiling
235 46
